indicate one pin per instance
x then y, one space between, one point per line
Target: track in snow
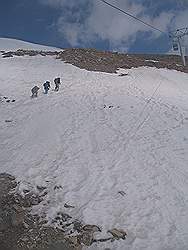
72 139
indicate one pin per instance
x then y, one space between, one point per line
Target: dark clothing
56 87
34 91
57 83
46 91
46 86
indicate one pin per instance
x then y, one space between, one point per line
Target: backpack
57 80
46 85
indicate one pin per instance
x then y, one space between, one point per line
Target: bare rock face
91 228
106 61
87 238
19 230
17 217
118 233
21 52
110 62
74 242
5 221
7 54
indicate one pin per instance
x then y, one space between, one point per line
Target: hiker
34 91
57 83
46 86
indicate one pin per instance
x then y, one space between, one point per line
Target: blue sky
90 23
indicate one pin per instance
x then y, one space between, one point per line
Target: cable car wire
130 15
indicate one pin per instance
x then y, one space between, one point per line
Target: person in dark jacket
57 83
46 86
34 91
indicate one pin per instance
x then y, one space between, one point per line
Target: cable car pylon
177 36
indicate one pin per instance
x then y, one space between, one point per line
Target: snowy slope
73 140
14 44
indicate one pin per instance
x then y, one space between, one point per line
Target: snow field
73 140
7 44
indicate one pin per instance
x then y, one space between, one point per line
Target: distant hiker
46 86
57 83
34 91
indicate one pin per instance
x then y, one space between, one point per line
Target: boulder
118 233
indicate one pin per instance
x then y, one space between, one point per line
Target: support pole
181 52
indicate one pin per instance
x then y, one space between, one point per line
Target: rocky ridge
105 61
21 230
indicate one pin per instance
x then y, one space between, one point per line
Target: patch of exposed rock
19 230
110 62
21 52
106 61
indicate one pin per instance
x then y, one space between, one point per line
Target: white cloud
63 3
121 30
82 21
181 21
107 23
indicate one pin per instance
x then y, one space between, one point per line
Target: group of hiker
46 87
